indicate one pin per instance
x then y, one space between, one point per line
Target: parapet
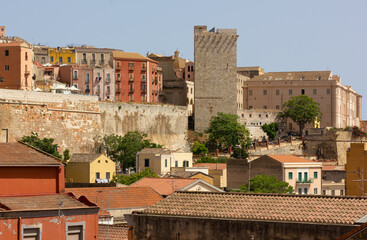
203 29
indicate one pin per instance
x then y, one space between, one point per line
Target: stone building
215 74
178 83
94 56
340 105
41 54
356 168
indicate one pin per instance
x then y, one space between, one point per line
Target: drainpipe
19 228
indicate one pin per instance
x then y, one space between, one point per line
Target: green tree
199 148
301 109
225 130
270 130
127 180
239 153
123 149
266 184
45 144
208 159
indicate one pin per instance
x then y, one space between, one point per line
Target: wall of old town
77 121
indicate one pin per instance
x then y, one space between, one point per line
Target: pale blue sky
278 35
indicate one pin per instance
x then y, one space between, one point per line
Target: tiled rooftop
129 55
19 154
333 168
164 186
263 207
118 197
154 151
112 232
290 159
84 157
211 166
41 202
305 75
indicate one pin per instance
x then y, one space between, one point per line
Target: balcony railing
118 79
144 80
143 91
131 90
75 77
131 68
131 79
305 181
101 62
118 67
144 68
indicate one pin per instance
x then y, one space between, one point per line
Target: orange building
33 204
136 78
16 65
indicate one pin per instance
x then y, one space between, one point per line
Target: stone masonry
77 121
215 74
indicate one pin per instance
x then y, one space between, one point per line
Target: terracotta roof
289 159
19 154
155 151
11 44
307 75
211 166
187 174
112 232
333 168
118 197
41 202
84 157
164 186
128 55
263 207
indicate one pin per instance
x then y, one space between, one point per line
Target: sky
277 35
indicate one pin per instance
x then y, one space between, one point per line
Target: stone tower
215 74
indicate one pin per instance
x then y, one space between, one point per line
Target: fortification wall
75 121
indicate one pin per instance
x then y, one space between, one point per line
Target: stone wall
185 228
75 121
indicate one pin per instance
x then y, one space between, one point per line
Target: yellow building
356 167
90 168
61 55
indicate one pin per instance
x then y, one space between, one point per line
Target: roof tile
164 186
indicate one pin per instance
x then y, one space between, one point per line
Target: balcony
131 90
144 68
92 62
98 79
143 80
26 73
131 79
118 79
118 90
304 181
143 91
101 62
84 61
75 77
131 68
118 67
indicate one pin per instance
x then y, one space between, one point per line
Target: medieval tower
215 74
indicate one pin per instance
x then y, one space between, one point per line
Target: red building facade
136 78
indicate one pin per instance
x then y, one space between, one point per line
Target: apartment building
16 65
41 54
94 56
340 105
136 78
62 55
79 76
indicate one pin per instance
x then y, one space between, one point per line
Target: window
188 75
98 175
328 91
60 60
76 85
146 162
277 107
31 233
143 78
43 60
265 107
305 190
165 163
315 175
250 92
98 89
87 78
108 89
108 77
143 87
319 78
87 86
75 231
249 107
306 176
290 175
341 192
131 64
108 175
315 191
52 59
6 52
302 78
93 57
265 92
6 67
332 192
191 90
300 177
131 97
185 164
277 92
323 192
192 68
314 91
290 126
26 56
299 190
303 92
290 91
75 74
250 115
176 163
102 57
69 59
84 57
